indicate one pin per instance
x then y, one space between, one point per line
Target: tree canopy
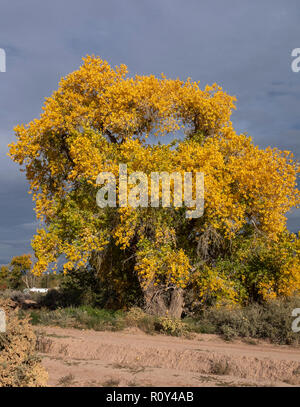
100 117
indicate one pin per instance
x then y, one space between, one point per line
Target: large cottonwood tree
100 117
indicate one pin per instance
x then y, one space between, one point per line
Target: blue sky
243 46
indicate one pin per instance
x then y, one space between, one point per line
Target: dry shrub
151 323
171 326
134 315
220 367
138 318
19 364
43 344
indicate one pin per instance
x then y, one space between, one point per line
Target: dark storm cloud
243 46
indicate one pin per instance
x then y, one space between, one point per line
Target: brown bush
19 364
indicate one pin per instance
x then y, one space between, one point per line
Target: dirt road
132 358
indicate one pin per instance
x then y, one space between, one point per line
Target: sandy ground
131 358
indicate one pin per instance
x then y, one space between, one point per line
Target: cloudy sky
244 46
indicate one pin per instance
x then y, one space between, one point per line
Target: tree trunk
162 302
176 303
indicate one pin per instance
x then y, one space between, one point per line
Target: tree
4 273
17 272
99 117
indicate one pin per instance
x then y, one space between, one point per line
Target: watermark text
2 60
134 190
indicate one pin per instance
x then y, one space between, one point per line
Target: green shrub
84 317
271 320
83 286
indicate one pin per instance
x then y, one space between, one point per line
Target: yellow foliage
99 117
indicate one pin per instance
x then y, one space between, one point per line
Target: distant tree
4 272
19 270
17 273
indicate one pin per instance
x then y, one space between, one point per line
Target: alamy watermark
2 321
2 60
296 322
296 62
138 194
